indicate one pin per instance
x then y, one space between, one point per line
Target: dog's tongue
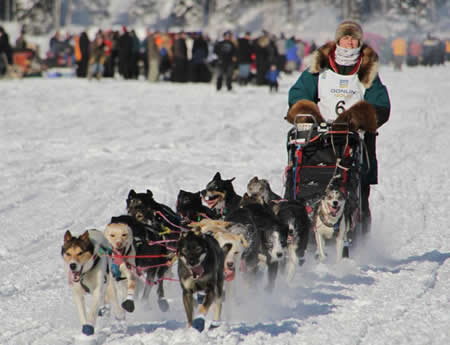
211 202
229 274
333 210
74 277
197 271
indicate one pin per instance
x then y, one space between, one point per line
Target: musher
341 74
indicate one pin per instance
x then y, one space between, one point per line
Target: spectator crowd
193 56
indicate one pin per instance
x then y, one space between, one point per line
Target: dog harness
95 259
118 260
338 92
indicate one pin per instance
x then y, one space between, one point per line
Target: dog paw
199 324
128 305
87 330
163 305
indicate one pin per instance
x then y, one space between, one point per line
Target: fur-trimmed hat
351 28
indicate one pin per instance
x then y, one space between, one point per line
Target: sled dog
147 210
191 209
88 268
232 244
261 188
271 233
200 268
328 213
219 195
152 259
291 213
120 238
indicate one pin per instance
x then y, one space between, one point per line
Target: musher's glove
361 115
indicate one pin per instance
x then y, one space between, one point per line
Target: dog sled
321 155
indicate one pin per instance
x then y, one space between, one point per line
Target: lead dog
328 213
200 268
152 258
120 237
88 267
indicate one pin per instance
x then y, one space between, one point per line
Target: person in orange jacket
399 50
447 49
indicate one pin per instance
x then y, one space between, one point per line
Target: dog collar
96 259
325 221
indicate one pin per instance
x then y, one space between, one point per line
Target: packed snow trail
72 149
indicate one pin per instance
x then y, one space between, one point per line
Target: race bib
337 93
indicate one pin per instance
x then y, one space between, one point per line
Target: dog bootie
345 252
199 323
87 329
128 305
163 304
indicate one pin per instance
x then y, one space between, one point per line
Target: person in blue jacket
272 78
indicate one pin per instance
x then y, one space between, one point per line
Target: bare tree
290 11
7 10
68 19
57 14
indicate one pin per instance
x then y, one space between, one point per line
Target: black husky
293 214
146 209
191 209
200 268
220 196
273 235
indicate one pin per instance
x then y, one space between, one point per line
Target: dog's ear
217 176
243 241
131 194
85 236
67 236
265 182
254 179
130 232
149 193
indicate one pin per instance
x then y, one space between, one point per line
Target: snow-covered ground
72 149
